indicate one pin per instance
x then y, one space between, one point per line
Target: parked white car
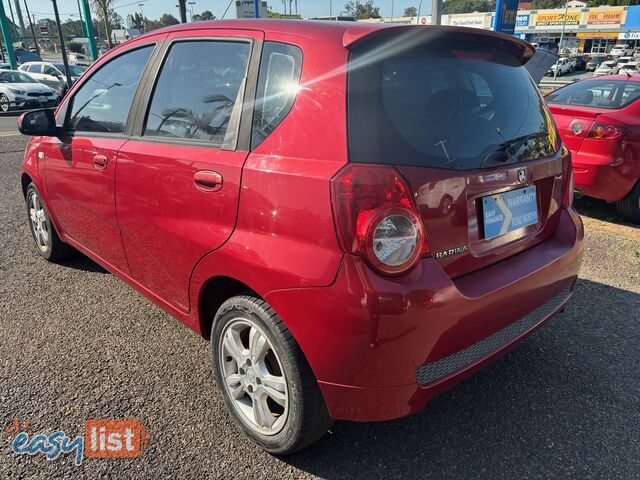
564 65
610 67
51 74
18 90
621 50
622 60
629 67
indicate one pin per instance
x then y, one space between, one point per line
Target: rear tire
253 352
48 243
629 206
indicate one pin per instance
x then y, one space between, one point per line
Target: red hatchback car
599 121
357 216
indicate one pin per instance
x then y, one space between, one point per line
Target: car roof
348 33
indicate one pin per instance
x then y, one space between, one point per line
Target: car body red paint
271 227
603 168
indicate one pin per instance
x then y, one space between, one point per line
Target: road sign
246 9
44 29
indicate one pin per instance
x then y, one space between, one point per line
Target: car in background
24 56
5 66
629 67
609 67
52 74
594 62
563 65
621 50
354 233
18 90
580 62
79 59
599 121
623 60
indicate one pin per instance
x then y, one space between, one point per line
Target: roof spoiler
517 47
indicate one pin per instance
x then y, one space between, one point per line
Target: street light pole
6 37
63 49
564 24
33 30
256 12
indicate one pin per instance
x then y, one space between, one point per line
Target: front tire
5 105
266 382
48 243
629 206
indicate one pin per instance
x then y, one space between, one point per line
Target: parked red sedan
357 216
599 121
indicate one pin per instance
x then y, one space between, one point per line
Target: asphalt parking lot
77 343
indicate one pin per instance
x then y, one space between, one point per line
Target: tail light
577 127
605 131
568 185
376 218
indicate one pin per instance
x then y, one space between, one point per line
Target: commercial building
586 30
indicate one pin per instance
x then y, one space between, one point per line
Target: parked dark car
594 62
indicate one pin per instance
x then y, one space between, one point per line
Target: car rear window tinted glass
102 103
200 84
612 94
453 104
278 83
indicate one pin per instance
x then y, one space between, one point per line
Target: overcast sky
154 8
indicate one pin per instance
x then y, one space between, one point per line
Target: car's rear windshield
613 94
444 104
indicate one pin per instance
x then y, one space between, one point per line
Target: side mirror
38 122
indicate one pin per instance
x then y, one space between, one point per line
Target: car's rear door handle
100 161
207 180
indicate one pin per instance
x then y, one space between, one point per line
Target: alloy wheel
253 376
39 222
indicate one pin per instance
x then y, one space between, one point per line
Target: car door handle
100 161
207 180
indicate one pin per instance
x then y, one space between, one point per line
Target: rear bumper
382 347
606 175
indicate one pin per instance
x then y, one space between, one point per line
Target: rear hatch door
461 119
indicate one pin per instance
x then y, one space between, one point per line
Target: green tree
108 17
411 12
136 21
361 10
75 47
468 6
204 16
167 19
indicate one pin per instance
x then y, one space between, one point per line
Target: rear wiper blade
501 154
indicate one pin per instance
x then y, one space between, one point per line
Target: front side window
34 68
15 77
278 83
48 70
199 86
102 103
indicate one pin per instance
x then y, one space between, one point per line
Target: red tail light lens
376 217
605 131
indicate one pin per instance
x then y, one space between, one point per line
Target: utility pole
182 6
20 19
88 26
436 12
13 21
6 37
79 13
33 30
392 10
63 49
142 15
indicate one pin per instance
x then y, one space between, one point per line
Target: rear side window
613 94
102 103
278 83
443 104
200 84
